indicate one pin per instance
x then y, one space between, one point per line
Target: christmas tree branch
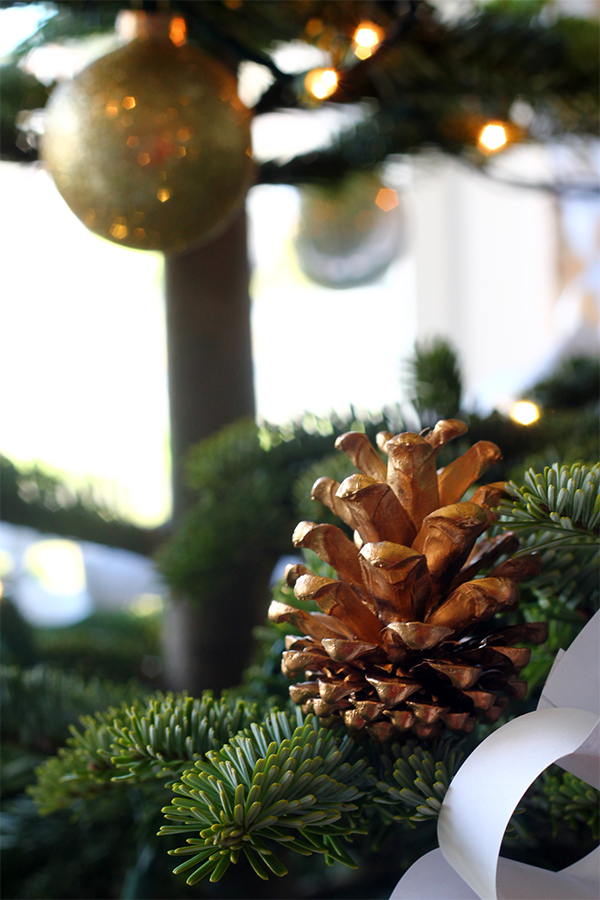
286 783
562 504
415 779
147 741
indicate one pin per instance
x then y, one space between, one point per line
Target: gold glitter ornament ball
150 145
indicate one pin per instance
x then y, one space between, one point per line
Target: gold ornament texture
405 638
150 145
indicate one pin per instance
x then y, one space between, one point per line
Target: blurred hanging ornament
349 233
150 145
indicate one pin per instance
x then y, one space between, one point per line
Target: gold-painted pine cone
401 642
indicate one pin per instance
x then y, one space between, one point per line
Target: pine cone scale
393 691
482 700
455 478
474 601
402 719
427 713
347 651
397 579
461 676
412 475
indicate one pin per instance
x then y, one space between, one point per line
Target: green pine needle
286 783
148 741
568 801
416 779
172 731
82 768
563 500
557 513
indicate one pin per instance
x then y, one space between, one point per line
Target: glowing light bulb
321 83
178 31
367 38
493 137
525 412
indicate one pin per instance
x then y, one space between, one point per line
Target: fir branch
146 741
568 800
563 500
38 705
434 380
568 580
272 785
173 731
82 768
417 778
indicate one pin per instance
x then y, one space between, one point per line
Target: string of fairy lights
321 83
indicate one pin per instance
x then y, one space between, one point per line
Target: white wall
486 273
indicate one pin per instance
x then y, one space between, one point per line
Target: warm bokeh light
321 83
525 412
119 229
313 28
493 137
386 199
178 31
367 38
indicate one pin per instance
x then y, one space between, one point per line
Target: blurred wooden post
210 385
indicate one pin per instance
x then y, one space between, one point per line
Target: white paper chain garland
565 729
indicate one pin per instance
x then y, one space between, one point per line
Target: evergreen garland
80 770
435 381
32 496
256 792
432 83
244 477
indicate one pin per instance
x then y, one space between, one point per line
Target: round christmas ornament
349 233
150 145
